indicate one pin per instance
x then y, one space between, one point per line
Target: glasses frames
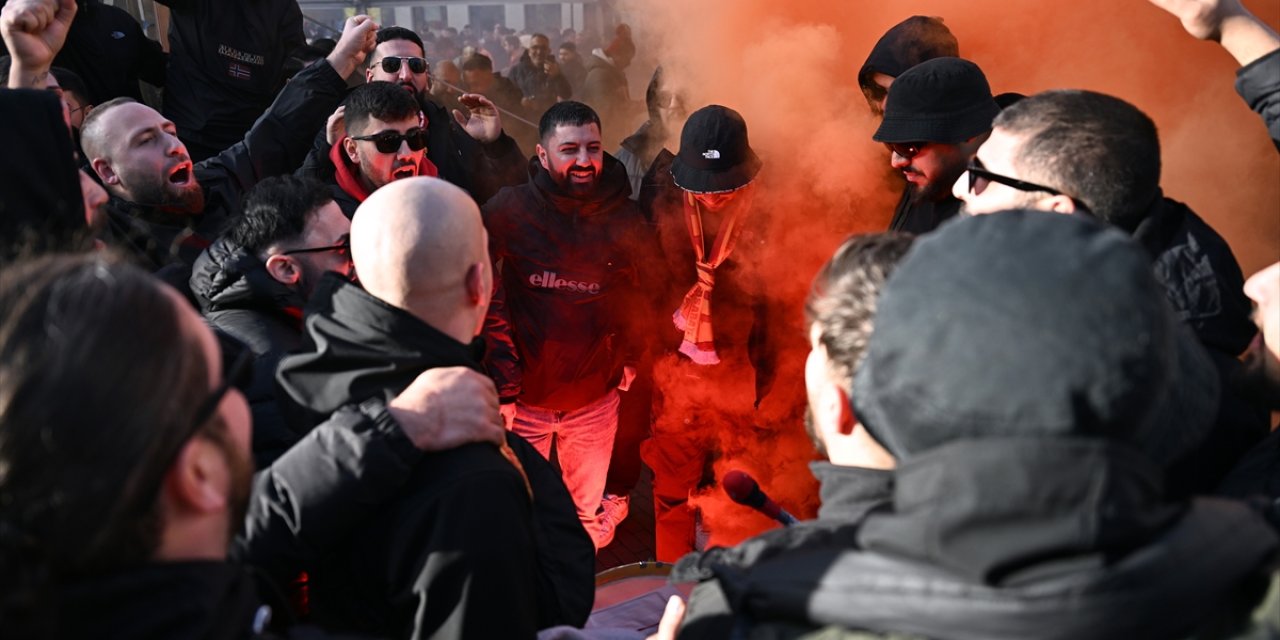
978 174
391 64
389 141
343 248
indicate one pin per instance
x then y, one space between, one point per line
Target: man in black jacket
538 77
1027 500
906 45
570 246
482 541
165 209
936 117
253 283
470 150
1082 151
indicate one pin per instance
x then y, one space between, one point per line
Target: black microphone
744 490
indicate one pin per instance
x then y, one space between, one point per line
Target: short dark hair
387 34
277 210
477 62
71 82
385 101
97 380
842 299
569 46
569 113
1095 148
93 139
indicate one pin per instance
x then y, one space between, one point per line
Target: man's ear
199 480
349 146
368 74
284 269
474 282
833 412
542 156
103 168
1059 204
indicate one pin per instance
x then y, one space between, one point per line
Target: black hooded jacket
460 549
239 298
906 45
1259 84
572 298
1086 550
275 145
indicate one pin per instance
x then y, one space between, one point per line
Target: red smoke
790 69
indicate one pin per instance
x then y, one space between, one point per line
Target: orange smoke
790 69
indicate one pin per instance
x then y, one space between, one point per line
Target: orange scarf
694 315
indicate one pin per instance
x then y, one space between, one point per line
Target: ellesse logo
549 280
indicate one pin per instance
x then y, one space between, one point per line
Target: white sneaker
613 510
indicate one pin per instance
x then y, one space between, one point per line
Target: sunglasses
343 248
389 141
237 371
391 64
907 150
979 178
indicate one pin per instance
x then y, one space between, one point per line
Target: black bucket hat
715 155
946 100
1025 324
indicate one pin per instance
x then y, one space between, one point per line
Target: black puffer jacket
239 298
460 549
276 145
573 298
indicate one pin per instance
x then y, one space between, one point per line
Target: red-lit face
932 171
378 168
146 162
574 156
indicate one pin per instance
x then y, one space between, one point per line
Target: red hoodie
348 181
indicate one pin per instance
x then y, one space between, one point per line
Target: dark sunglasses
907 150
343 248
389 141
391 64
237 371
979 178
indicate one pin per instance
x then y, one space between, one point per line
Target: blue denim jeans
583 439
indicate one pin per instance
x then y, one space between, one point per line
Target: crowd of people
332 344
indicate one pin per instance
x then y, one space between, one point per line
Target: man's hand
672 616
484 124
1227 22
508 412
359 37
448 407
34 31
335 128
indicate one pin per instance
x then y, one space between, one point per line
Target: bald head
419 244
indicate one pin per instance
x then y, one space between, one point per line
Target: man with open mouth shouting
386 140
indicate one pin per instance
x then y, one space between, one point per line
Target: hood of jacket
347 174
906 45
612 190
226 276
211 600
362 348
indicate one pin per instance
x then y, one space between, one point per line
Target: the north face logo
549 280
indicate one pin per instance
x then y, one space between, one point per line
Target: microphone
744 490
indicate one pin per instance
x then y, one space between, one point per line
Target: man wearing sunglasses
253 283
386 140
936 117
467 145
906 45
1073 151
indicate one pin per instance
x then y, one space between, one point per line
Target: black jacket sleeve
492 166
1259 84
322 488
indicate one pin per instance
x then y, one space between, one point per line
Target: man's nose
898 162
961 188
